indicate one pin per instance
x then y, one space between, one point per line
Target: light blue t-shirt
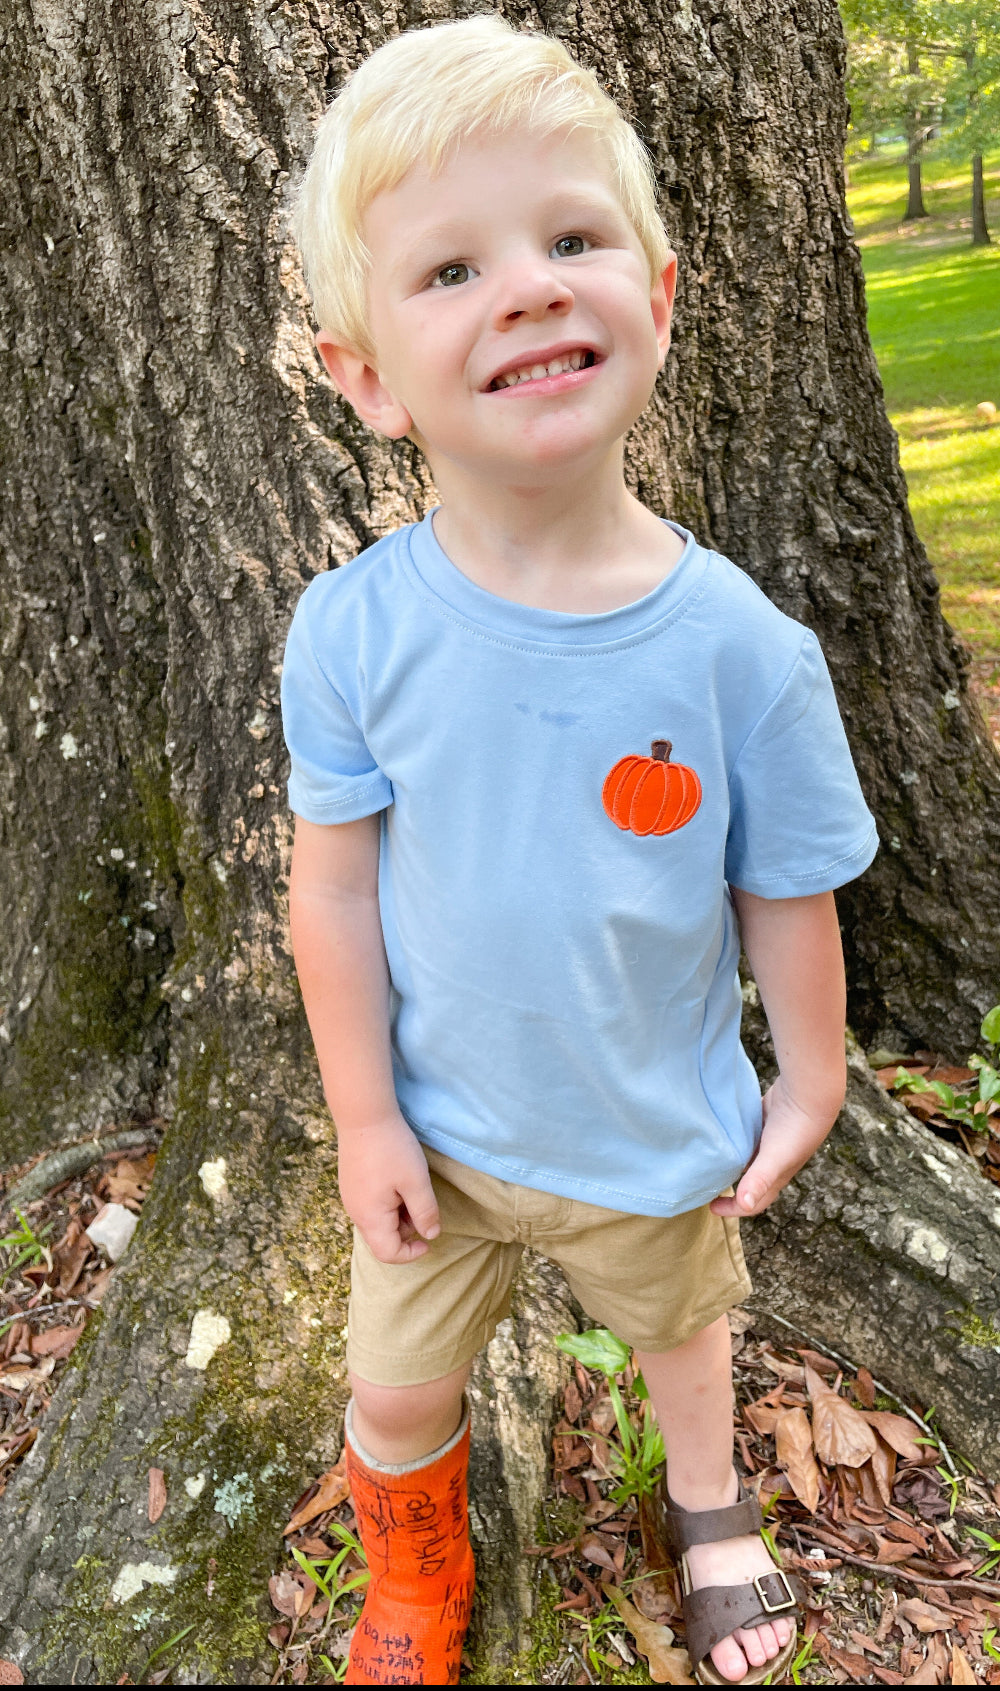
566 1005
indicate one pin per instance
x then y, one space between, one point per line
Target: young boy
551 761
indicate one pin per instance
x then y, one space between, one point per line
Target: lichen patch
134 1576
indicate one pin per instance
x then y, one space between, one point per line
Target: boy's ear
363 388
662 304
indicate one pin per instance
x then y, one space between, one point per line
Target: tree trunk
980 228
914 188
885 1248
916 135
177 468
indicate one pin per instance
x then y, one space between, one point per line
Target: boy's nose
533 292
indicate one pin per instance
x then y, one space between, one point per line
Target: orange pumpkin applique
651 795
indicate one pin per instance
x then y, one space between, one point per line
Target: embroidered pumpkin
651 795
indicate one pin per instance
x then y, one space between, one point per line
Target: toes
729 1659
757 1643
782 1632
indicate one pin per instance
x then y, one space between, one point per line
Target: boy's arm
793 947
342 970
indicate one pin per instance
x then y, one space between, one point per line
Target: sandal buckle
788 1602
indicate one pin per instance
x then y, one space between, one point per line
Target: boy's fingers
387 1245
422 1210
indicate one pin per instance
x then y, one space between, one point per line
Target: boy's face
517 257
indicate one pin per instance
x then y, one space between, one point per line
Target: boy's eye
451 276
569 246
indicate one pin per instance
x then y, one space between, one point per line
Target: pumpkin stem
661 750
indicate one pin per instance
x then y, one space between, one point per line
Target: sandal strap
710 1526
712 1613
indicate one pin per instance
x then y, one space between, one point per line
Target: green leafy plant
988 1644
992 1546
966 1107
326 1581
802 1660
163 1648
954 1482
598 1630
24 1248
639 1455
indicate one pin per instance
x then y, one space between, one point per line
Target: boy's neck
583 544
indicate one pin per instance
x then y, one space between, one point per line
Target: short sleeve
334 777
798 821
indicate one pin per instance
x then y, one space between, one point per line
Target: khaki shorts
655 1281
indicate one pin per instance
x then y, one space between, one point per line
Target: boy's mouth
580 358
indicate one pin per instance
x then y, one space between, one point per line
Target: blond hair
413 102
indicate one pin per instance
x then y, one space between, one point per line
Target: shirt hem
834 874
568 1186
351 808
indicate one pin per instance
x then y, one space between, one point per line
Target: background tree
176 469
898 76
923 67
973 95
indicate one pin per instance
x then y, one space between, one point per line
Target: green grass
934 319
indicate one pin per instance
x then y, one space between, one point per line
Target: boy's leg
407 1460
691 1391
402 1423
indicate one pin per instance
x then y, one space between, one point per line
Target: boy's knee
397 1423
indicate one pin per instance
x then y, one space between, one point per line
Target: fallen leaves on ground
46 1301
858 1496
316 1628
667 1664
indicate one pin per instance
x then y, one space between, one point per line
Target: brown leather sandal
714 1611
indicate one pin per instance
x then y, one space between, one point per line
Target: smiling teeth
535 372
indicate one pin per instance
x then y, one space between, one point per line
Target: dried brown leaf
935 1666
854 1665
890 1553
333 1487
668 1665
594 1550
762 1417
10 1673
572 1400
794 1451
157 1493
866 1388
791 1371
924 1616
56 1342
884 1470
285 1593
899 1433
841 1434
602 1416
961 1668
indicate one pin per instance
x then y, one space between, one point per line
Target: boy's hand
791 1135
386 1189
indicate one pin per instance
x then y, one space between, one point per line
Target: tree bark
177 468
980 227
916 135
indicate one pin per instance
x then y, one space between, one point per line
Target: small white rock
194 1485
208 1332
113 1229
69 747
213 1177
